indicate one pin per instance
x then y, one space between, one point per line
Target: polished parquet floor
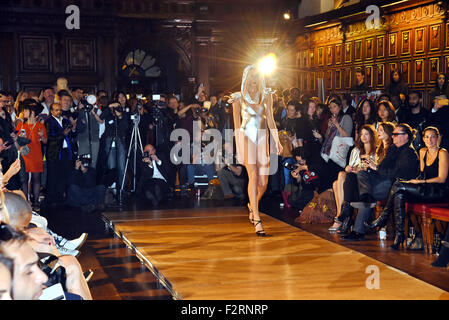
213 253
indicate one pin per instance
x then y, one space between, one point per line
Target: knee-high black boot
345 217
382 220
399 217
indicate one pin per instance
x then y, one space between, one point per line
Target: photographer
116 131
305 179
83 190
88 124
154 172
60 135
231 175
163 121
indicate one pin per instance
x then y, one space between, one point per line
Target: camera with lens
291 166
135 117
146 154
86 105
68 126
85 159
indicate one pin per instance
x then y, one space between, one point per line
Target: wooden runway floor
213 253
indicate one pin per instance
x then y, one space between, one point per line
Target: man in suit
154 172
59 153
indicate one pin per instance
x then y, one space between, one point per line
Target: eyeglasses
395 134
5 232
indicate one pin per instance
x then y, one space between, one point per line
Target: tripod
135 142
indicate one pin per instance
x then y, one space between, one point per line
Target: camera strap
28 136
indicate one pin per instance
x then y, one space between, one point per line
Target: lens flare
268 64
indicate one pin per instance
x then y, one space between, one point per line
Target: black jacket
55 134
400 163
146 172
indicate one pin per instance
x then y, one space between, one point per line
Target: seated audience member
348 109
340 125
416 116
360 86
28 279
441 88
350 186
308 129
430 186
397 87
306 174
153 181
288 137
21 218
364 114
42 243
385 113
83 190
6 269
200 166
375 181
230 174
365 148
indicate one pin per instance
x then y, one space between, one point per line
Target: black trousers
57 174
156 188
351 188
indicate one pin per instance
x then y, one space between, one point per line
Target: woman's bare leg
336 195
340 187
252 189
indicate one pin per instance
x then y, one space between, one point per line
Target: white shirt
156 173
46 109
101 125
64 144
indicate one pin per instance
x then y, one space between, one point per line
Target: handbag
339 150
23 142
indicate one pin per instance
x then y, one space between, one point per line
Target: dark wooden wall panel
415 41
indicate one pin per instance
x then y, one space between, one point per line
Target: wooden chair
435 213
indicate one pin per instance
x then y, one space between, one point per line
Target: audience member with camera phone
83 190
305 180
153 183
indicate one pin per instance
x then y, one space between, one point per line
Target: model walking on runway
253 118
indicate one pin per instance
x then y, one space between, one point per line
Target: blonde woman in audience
365 147
21 97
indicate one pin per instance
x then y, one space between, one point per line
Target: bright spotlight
268 64
287 15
